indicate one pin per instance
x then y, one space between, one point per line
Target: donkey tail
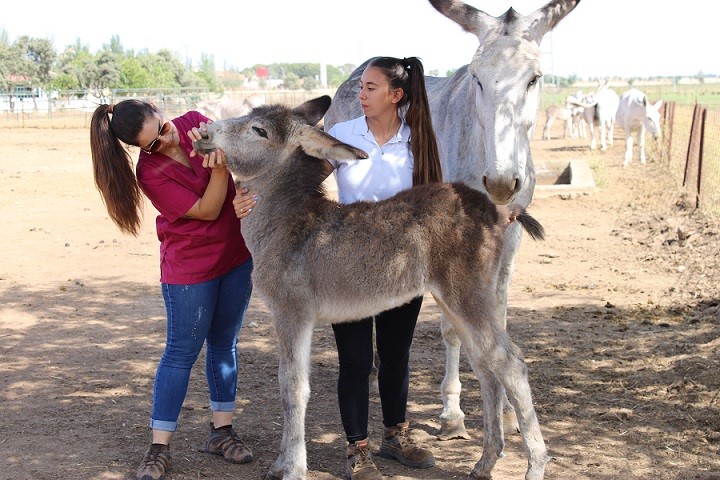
528 222
531 226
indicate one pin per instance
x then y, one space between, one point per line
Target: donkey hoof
510 423
274 475
453 429
478 476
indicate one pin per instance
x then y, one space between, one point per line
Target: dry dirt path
617 313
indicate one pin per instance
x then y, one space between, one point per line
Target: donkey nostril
204 135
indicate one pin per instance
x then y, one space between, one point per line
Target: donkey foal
316 261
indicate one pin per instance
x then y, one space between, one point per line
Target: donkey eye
260 131
533 82
479 84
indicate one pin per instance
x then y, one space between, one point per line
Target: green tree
133 73
115 45
108 70
28 63
310 83
206 72
292 81
9 63
336 76
75 67
41 53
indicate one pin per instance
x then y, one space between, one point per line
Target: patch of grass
597 165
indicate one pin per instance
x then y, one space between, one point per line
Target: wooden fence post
669 123
692 141
703 116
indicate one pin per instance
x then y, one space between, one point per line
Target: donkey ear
313 110
547 17
319 144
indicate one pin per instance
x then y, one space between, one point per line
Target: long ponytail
112 165
409 74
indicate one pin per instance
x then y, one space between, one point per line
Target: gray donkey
317 261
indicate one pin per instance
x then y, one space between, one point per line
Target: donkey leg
513 238
489 347
493 397
452 418
294 345
506 362
641 144
628 149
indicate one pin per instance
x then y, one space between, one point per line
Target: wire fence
74 109
690 146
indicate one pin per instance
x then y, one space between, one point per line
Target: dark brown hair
110 127
408 74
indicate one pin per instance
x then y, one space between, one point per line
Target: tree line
33 63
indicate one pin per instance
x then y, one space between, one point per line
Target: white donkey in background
599 110
568 114
636 114
229 107
484 119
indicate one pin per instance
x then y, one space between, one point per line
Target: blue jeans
211 312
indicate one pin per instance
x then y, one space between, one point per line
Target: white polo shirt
388 170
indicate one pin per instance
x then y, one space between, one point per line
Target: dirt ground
617 313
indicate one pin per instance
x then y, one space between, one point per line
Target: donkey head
506 78
652 118
267 138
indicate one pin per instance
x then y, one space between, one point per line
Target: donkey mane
308 178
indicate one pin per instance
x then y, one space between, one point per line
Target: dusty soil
617 313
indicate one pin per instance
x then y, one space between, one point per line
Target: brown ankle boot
155 463
359 462
397 444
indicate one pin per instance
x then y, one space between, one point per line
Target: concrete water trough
562 177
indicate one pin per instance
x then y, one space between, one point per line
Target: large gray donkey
484 117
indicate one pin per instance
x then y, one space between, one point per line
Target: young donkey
318 261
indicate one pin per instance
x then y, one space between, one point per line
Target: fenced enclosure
73 109
690 148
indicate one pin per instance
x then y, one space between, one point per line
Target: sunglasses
155 144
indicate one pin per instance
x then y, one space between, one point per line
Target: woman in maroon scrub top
205 266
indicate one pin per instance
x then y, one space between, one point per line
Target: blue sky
625 38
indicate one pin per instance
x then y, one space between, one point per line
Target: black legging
395 329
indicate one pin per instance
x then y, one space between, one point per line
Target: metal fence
692 150
691 145
73 109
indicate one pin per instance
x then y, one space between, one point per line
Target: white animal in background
563 114
599 111
229 107
636 114
579 125
484 117
570 115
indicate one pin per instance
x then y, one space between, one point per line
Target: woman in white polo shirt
403 152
